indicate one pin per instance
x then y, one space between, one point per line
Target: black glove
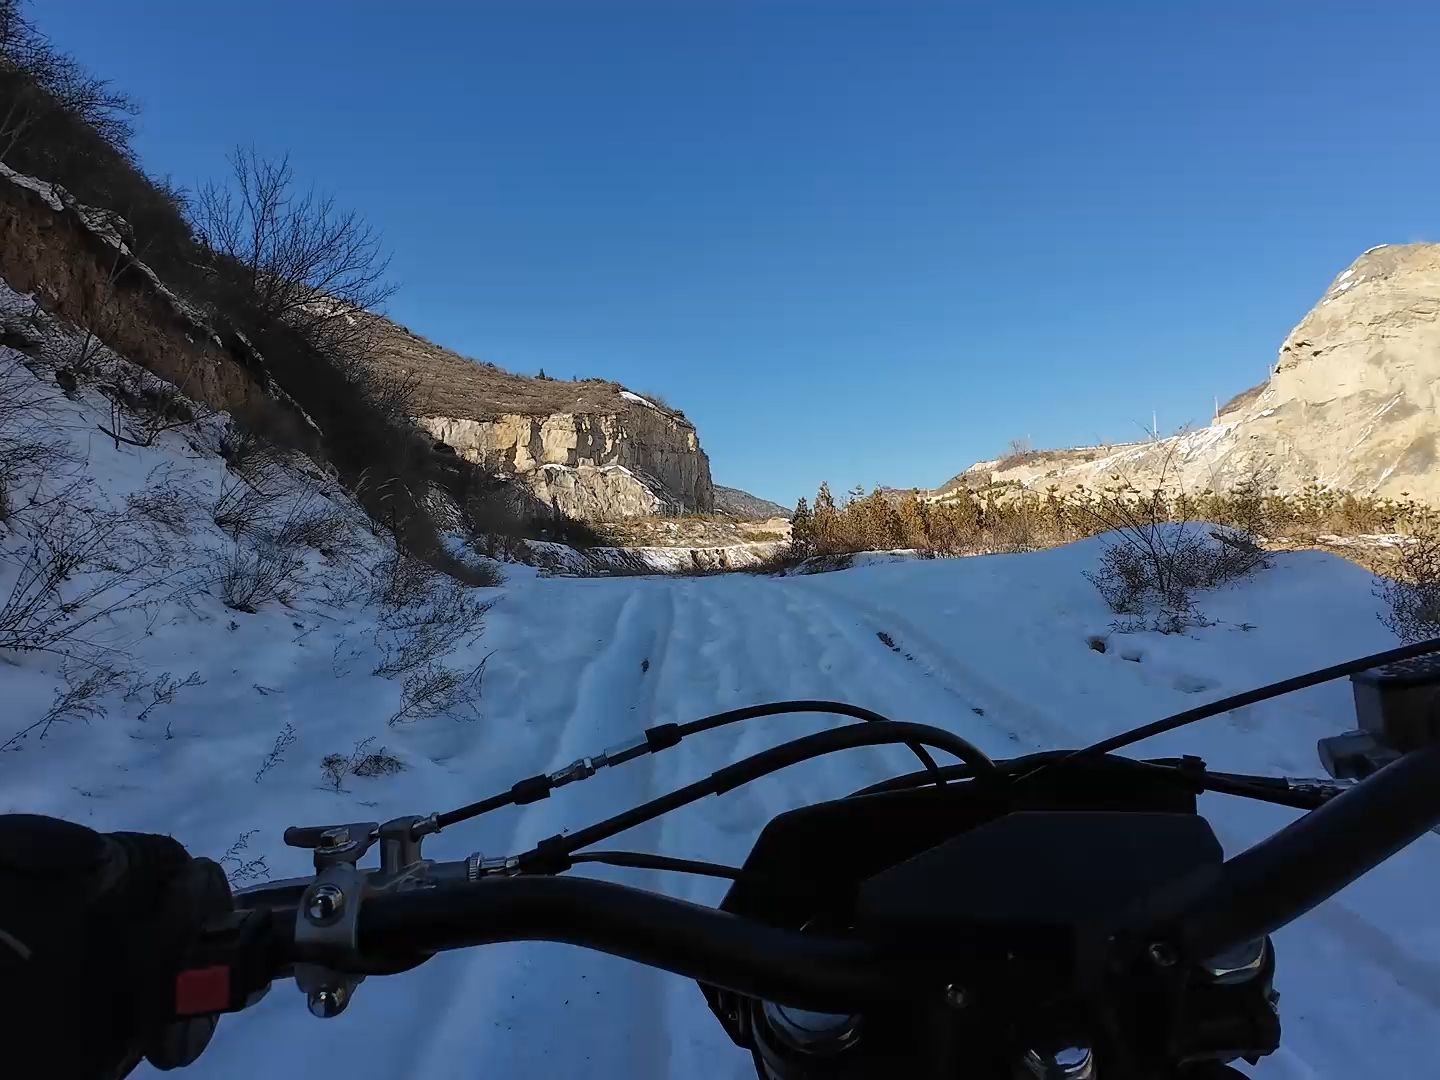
93 929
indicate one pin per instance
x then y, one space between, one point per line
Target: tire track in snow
957 677
502 985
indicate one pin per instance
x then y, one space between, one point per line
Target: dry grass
80 697
1006 517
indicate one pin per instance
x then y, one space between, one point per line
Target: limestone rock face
1353 402
595 466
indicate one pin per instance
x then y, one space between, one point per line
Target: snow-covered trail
995 648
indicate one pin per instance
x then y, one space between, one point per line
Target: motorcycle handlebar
1244 898
713 946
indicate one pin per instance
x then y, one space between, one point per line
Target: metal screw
1240 964
328 1001
1066 1063
325 903
956 997
333 838
1163 955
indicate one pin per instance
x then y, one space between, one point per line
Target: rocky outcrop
1353 403
635 461
558 559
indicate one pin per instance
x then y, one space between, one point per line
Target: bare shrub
419 634
40 82
378 763
25 461
240 870
361 761
1411 589
80 698
312 522
164 503
283 742
143 407
247 451
399 580
299 258
432 689
164 690
1017 452
335 768
29 451
241 508
250 576
1157 562
78 566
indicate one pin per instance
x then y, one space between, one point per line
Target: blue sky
856 242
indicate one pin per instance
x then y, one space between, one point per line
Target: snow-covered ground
996 648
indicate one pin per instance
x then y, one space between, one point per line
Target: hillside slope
743 505
1351 403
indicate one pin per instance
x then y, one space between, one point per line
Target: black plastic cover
1033 875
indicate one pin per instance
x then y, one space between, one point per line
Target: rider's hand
93 929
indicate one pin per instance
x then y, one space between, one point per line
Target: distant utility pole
1154 424
1217 410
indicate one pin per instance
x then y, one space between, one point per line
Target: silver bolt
333 838
1239 964
1163 955
956 996
1066 1063
325 903
328 1001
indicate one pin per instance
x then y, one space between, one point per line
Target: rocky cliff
588 447
1351 402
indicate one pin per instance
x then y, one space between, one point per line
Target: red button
202 990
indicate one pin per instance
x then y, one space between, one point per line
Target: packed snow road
1001 649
